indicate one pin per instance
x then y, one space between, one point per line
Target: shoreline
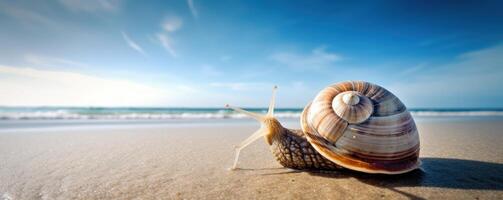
70 124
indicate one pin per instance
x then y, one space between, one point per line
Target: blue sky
208 53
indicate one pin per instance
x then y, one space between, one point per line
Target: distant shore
461 160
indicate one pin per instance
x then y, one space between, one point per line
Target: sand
462 159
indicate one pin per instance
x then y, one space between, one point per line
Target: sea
43 117
159 113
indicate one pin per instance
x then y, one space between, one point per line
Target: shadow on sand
434 172
443 173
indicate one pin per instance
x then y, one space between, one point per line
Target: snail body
292 150
354 124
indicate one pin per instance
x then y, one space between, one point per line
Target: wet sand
461 160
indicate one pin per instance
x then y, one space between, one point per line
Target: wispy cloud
172 24
317 58
26 16
133 44
444 40
257 94
473 79
413 69
169 26
192 8
488 61
241 86
166 42
46 61
92 5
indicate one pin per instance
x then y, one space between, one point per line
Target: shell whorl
362 126
352 107
351 98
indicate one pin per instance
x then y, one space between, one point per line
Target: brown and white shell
363 127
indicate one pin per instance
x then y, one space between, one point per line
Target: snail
354 125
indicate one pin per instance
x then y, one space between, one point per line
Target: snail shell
363 127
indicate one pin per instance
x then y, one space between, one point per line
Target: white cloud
52 61
241 86
166 42
187 89
34 87
92 5
133 44
318 58
472 80
192 8
172 24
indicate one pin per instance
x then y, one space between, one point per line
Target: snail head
269 125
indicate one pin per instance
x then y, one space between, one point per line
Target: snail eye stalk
270 112
256 116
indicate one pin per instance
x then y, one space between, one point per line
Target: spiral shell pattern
363 127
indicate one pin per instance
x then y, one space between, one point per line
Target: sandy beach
462 159
123 99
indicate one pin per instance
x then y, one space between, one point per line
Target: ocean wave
65 114
456 113
128 116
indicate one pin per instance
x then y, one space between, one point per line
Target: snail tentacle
269 126
270 111
256 116
258 134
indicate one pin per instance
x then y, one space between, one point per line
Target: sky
195 53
